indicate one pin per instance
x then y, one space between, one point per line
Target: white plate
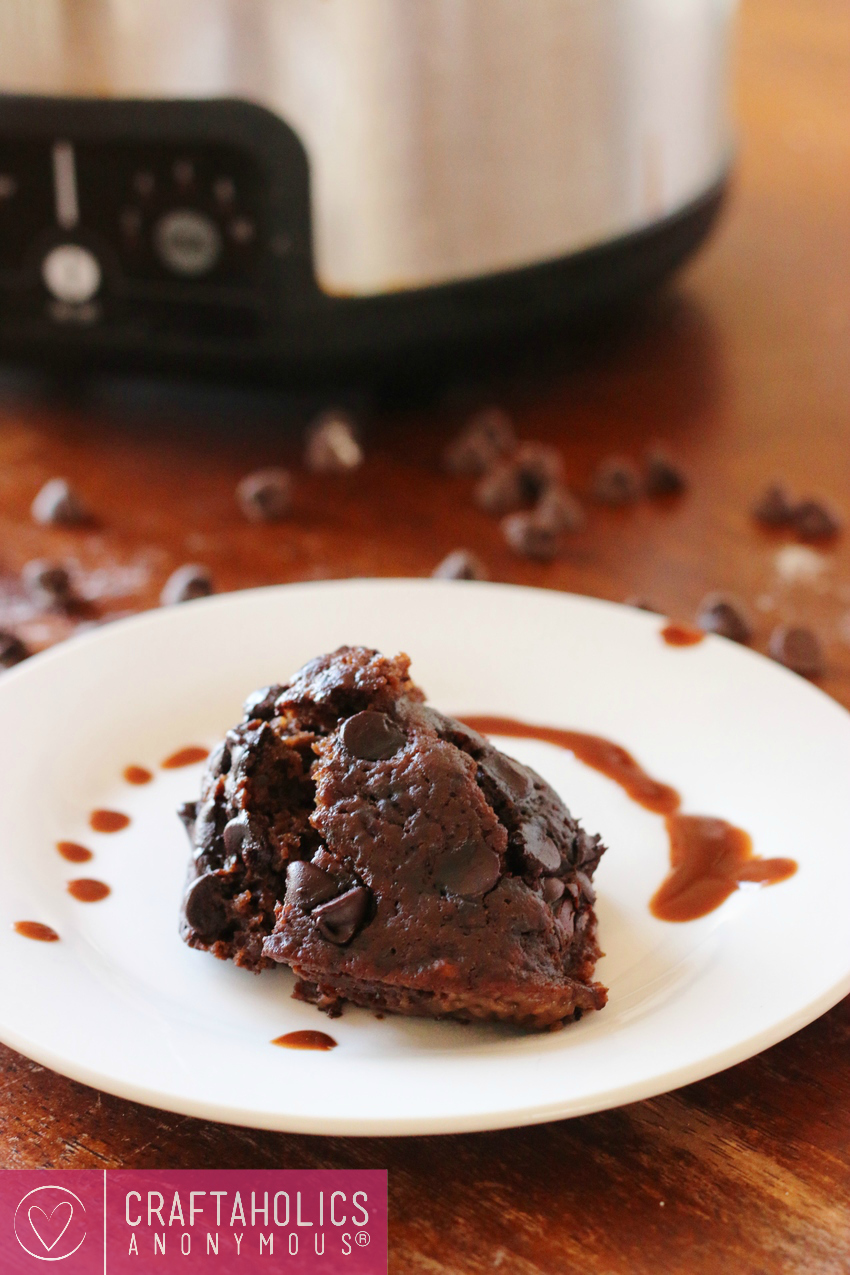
120 1003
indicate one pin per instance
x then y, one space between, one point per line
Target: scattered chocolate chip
371 736
662 476
524 534
540 847
553 889
813 520
798 649
520 481
331 446
488 435
559 511
616 482
204 907
48 582
265 495
725 615
774 507
58 504
460 565
468 871
339 920
501 490
187 583
260 704
12 649
308 885
587 889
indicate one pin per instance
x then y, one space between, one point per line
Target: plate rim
615 1095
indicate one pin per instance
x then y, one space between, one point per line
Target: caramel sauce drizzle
35 930
306 1040
108 820
681 635
88 890
74 852
185 757
709 858
137 775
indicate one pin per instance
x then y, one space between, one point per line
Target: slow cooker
282 181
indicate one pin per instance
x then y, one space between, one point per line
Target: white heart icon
47 1219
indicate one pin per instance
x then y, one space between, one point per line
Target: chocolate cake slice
391 856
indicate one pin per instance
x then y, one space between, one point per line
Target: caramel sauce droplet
305 1040
681 635
137 775
709 859
74 852
185 757
87 890
108 820
35 930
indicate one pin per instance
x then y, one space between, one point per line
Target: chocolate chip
261 704
187 813
725 615
553 889
586 886
539 846
813 520
468 871
330 444
372 736
186 583
501 490
566 918
662 476
266 495
508 775
339 920
308 885
48 582
58 504
205 832
520 481
219 759
460 565
616 482
234 834
527 538
559 511
12 649
487 436
774 507
204 907
798 649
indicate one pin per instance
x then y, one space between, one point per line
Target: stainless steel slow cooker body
288 179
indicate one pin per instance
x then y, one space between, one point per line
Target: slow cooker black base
332 337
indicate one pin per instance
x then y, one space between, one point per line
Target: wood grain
743 369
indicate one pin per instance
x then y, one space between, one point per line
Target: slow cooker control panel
174 231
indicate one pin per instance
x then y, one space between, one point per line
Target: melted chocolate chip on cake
392 857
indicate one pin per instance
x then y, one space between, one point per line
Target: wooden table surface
743 367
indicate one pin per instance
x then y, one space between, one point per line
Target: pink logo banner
195 1222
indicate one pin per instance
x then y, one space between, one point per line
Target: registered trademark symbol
361 1239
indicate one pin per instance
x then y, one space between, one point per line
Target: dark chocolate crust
391 856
